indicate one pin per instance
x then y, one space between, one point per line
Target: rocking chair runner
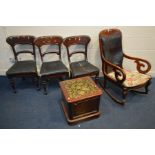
112 58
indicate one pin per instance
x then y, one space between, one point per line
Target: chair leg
67 76
146 87
105 82
96 78
13 85
71 76
37 82
124 94
44 84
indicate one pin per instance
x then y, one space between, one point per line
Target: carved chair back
112 57
111 46
21 40
49 40
76 40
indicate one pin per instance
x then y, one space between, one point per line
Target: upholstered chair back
111 42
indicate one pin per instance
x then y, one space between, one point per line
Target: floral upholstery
132 78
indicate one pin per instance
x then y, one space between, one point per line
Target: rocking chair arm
119 73
141 63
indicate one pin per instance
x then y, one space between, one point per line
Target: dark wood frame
119 72
50 40
91 101
22 40
78 40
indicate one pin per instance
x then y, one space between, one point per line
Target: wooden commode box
81 99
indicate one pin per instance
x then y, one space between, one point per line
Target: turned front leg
13 85
44 84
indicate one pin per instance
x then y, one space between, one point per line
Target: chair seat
81 68
133 79
22 67
54 67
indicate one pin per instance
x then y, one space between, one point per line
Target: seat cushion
23 67
81 68
54 67
133 78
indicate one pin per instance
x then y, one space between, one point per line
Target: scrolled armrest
143 66
119 73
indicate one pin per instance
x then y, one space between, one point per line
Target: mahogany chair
83 67
53 68
112 66
23 68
